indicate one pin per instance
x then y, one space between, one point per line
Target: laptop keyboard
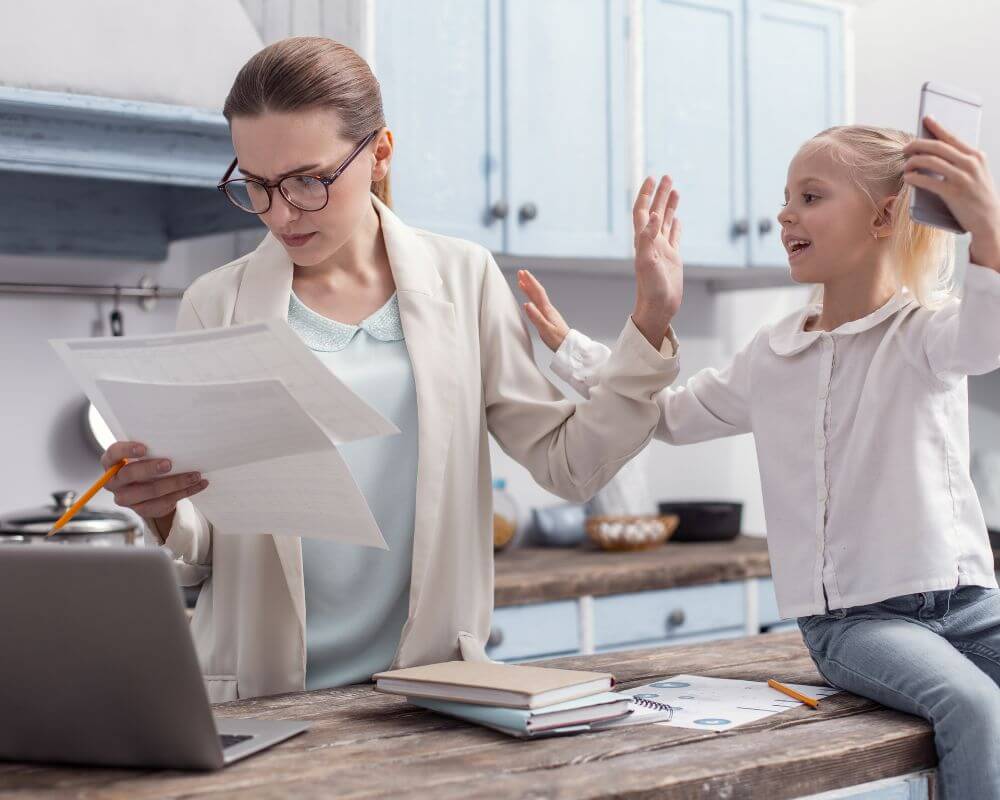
229 739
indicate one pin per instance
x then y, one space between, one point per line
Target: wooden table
367 745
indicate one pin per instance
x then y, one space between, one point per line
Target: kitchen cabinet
509 119
726 110
528 126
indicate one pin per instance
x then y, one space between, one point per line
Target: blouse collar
789 336
328 335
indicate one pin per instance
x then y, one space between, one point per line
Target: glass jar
506 516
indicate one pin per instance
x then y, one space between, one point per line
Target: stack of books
518 700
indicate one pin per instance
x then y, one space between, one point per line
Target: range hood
111 138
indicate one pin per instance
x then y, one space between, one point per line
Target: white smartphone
959 112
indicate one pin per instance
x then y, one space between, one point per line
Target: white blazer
474 374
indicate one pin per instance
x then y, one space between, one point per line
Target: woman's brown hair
306 72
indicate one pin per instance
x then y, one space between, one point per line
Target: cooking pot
89 526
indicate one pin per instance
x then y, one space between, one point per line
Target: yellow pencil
73 509
809 701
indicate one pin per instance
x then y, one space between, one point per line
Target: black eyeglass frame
326 180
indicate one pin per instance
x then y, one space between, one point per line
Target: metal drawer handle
675 618
496 638
765 226
740 228
527 212
499 210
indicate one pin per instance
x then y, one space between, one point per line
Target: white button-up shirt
862 439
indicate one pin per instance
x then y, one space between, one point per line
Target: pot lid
88 520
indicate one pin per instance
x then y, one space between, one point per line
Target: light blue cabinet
539 630
438 63
564 102
509 119
732 88
695 106
669 615
796 89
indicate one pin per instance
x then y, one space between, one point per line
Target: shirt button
820 444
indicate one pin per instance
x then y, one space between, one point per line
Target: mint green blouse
357 598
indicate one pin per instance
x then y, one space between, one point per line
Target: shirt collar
787 337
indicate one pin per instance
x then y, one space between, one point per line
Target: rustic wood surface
542 574
363 744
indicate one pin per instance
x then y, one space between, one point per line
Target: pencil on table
809 701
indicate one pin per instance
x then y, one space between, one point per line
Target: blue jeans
932 654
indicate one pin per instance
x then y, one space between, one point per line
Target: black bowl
705 520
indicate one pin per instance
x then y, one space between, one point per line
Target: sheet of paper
270 467
239 353
718 704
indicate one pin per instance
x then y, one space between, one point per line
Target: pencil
809 701
73 509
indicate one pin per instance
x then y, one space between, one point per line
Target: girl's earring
875 235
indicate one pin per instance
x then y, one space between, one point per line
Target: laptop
98 665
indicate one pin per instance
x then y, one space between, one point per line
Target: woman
425 329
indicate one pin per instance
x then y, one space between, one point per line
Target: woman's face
272 145
827 221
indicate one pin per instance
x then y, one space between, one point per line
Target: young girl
858 405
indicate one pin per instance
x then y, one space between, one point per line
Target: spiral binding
654 705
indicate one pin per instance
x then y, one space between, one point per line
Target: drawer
534 631
667 614
767 603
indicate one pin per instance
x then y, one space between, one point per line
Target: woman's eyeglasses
305 192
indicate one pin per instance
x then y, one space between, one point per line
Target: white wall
41 409
902 43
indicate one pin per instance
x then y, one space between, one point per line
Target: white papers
718 704
242 352
249 407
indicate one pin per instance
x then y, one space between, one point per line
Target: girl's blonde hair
924 257
306 72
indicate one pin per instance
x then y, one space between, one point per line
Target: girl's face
275 144
827 221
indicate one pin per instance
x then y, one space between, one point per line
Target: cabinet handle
740 228
675 618
496 638
527 212
499 210
765 226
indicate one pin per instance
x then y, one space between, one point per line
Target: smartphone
960 112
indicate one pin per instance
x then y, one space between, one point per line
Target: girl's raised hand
659 272
543 315
965 186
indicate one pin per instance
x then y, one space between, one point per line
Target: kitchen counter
364 744
543 574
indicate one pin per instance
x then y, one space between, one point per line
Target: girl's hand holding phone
966 186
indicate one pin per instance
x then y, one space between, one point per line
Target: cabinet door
438 64
695 106
796 79
564 101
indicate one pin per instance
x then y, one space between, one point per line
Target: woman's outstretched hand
543 315
965 186
659 272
